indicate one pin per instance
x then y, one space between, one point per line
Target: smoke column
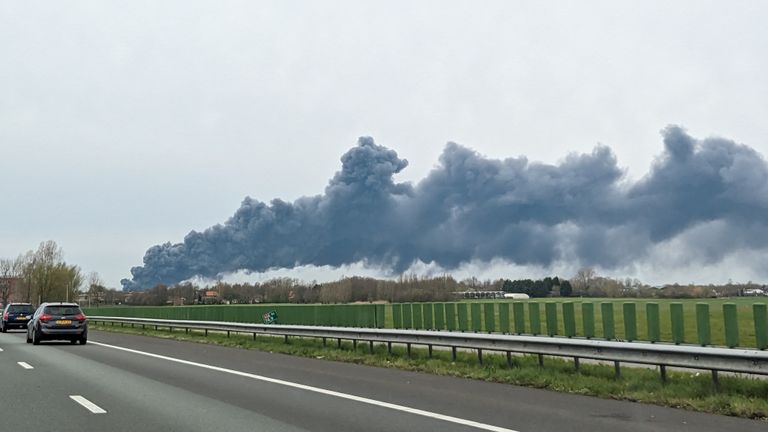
474 208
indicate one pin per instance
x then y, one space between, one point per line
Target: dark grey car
58 321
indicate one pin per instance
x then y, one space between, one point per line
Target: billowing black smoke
474 208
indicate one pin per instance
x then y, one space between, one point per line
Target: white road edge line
1 350
392 406
90 406
25 365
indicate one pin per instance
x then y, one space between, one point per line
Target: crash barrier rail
702 323
663 355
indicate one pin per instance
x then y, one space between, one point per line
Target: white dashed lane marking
90 406
25 365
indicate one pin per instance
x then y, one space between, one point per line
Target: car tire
3 329
83 340
28 339
35 338
73 341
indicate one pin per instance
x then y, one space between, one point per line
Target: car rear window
21 309
62 310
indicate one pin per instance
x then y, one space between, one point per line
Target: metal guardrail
749 361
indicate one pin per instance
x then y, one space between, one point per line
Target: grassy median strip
736 396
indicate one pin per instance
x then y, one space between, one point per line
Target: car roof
59 304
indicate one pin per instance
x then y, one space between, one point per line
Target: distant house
516 296
755 292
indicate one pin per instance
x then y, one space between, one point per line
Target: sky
125 125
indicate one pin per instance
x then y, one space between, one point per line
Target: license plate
21 318
61 322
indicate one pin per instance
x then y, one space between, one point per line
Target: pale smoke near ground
704 199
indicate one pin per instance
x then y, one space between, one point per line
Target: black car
16 315
58 321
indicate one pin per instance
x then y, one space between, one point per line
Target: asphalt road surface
124 382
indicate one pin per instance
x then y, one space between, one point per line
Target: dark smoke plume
474 208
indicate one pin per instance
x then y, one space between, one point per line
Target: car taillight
5 316
45 317
80 317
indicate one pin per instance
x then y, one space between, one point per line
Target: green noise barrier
702 324
489 316
678 323
477 322
630 321
450 317
535 318
569 319
550 311
731 325
588 319
439 309
609 326
760 316
427 313
518 309
462 313
504 318
653 322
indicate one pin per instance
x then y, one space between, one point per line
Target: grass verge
740 397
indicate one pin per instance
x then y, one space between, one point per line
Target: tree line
39 276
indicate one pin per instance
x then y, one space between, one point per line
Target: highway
122 382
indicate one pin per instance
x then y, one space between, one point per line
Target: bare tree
583 280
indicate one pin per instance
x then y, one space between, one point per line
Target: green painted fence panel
518 309
428 313
569 319
418 316
381 318
760 316
653 321
609 326
462 312
489 317
504 317
630 321
702 324
397 315
450 317
439 310
407 316
588 319
476 317
535 318
550 312
678 323
731 325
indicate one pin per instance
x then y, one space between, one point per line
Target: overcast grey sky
127 124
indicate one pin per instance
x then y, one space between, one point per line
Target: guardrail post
760 317
477 323
504 317
480 356
550 312
702 324
630 321
663 371
569 319
609 328
652 321
678 324
519 317
490 317
731 325
588 319
535 318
